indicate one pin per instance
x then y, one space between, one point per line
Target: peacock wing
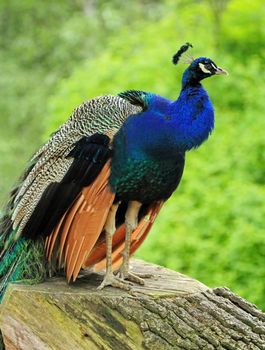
49 186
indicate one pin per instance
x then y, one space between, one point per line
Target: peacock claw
129 276
114 281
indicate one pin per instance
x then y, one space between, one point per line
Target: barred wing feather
103 115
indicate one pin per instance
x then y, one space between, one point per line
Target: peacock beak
220 71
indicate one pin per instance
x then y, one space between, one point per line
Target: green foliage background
54 55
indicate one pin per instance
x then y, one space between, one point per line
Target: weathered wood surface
171 312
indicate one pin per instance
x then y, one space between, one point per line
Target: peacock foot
114 281
124 274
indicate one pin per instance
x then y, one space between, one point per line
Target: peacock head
199 68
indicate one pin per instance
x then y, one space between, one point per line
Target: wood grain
172 311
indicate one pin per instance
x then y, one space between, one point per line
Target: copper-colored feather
64 222
97 256
83 224
65 225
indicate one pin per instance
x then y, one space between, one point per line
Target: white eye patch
205 70
214 66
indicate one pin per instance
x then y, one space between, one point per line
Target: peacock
90 195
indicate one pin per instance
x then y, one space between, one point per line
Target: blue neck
189 79
167 127
194 116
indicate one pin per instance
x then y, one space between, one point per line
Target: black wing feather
90 155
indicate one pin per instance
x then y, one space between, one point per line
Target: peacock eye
205 67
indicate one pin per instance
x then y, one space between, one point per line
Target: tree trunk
171 311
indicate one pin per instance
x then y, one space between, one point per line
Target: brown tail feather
88 224
98 255
83 223
65 222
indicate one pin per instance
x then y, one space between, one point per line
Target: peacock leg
131 222
109 278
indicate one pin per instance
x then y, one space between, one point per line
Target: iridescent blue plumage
149 149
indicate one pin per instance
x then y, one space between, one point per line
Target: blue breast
149 149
